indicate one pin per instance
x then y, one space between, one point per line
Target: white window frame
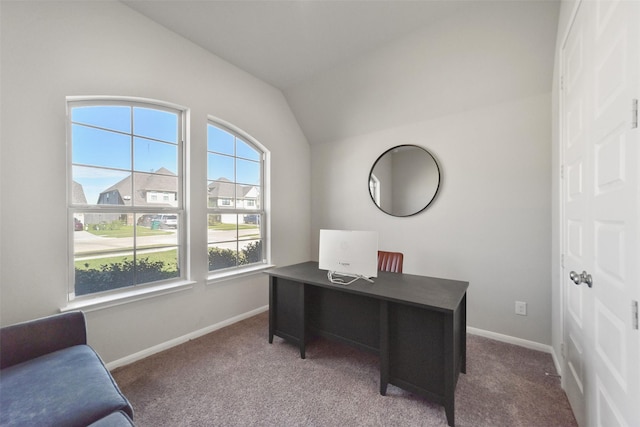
265 203
142 290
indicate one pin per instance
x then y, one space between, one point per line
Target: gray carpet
234 377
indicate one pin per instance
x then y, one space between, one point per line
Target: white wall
490 224
491 52
475 90
51 50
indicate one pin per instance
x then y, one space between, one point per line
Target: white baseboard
180 340
510 340
556 362
520 342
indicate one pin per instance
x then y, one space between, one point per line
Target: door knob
581 278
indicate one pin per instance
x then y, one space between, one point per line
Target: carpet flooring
234 377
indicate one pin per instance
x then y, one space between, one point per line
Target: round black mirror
404 180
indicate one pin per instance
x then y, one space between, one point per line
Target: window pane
152 156
234 240
100 148
157 264
157 257
246 151
223 228
155 189
156 230
94 184
155 124
108 117
248 172
219 140
221 194
248 197
249 239
220 167
249 228
222 237
222 256
251 251
103 252
106 256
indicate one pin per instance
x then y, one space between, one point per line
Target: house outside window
123 153
235 199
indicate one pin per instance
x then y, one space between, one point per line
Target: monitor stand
345 278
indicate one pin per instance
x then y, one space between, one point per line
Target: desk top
432 292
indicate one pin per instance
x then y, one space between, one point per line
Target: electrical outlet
521 308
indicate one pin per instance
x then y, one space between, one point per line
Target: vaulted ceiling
311 49
287 42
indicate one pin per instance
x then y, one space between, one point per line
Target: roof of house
223 188
162 180
77 194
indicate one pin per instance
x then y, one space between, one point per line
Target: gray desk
416 324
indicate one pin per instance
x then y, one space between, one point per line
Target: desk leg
303 321
463 334
450 365
384 347
272 308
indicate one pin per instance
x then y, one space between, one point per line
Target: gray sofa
49 376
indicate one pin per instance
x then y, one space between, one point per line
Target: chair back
390 261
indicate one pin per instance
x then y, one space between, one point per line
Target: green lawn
168 257
127 231
226 227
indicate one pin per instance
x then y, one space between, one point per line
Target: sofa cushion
115 419
70 387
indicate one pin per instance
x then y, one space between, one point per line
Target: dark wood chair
390 261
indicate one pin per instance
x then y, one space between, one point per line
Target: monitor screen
349 252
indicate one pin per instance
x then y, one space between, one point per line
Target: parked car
77 224
251 219
145 220
167 221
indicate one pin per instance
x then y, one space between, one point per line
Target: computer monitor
349 253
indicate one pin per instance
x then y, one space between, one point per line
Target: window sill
234 274
105 301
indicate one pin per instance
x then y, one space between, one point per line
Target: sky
111 141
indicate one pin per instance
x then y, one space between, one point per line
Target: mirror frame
435 193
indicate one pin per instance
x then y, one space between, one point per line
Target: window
374 188
126 198
235 188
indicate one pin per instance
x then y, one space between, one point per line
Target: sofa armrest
35 338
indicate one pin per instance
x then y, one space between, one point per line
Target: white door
601 213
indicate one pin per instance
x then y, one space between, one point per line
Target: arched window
235 199
126 198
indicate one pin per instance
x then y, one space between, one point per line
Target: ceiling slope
351 67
